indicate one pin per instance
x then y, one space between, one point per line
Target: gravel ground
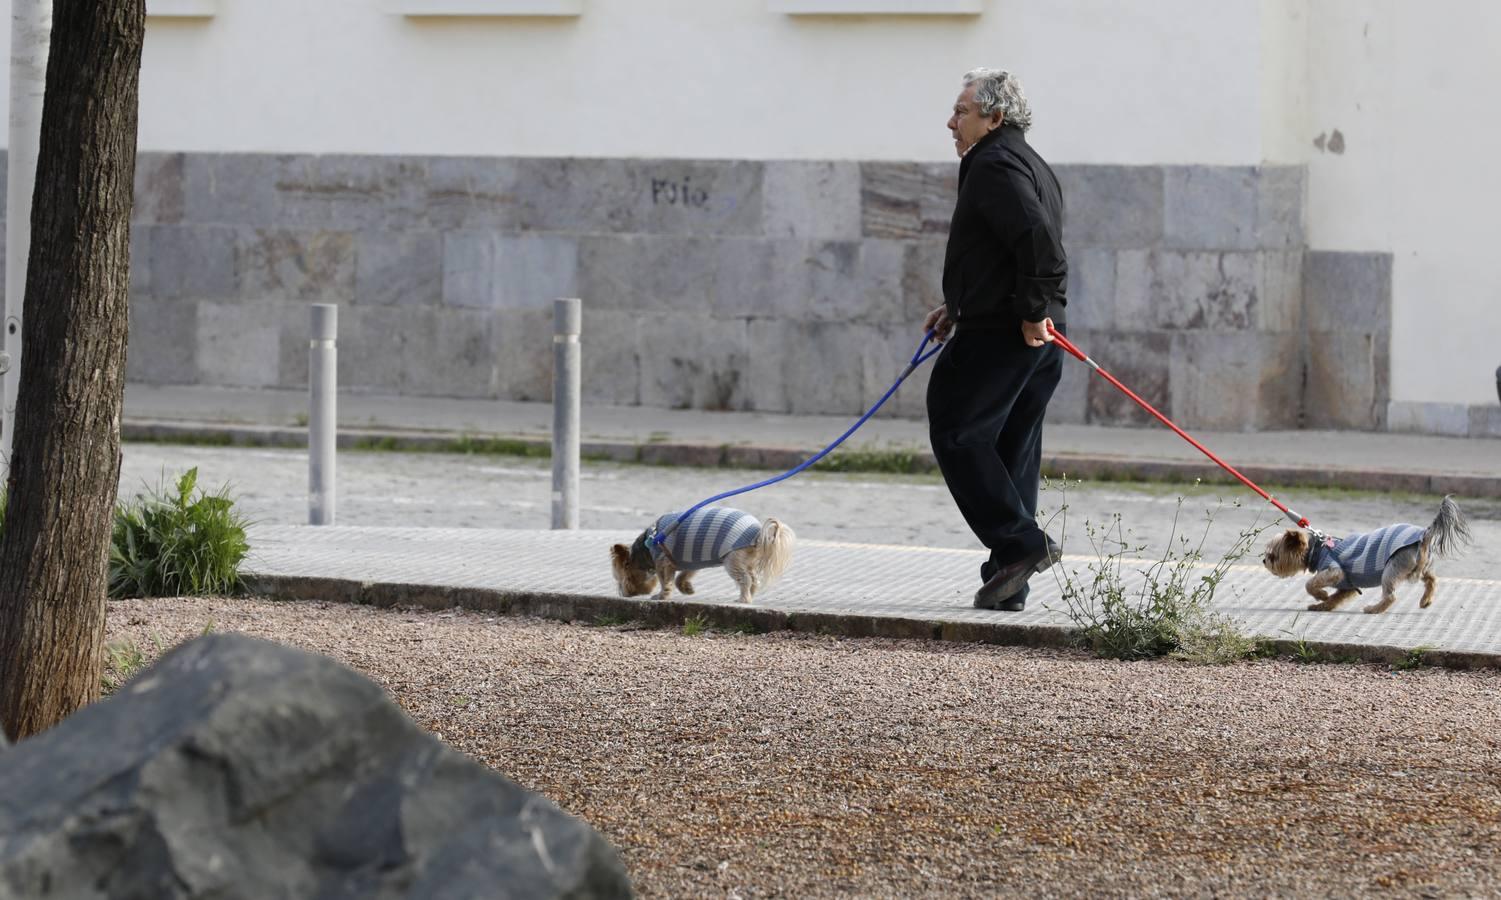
783 765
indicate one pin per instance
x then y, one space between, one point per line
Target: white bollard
567 317
322 420
30 43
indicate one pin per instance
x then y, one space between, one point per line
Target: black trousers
986 399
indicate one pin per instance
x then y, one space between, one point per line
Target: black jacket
1005 259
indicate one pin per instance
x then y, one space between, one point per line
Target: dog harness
1363 557
706 537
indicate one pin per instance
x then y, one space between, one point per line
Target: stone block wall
779 286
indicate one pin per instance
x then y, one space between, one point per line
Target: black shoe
988 567
1016 602
1000 592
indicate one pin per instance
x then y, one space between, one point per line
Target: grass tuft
175 543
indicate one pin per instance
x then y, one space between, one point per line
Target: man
1004 280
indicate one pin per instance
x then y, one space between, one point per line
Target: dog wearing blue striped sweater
1382 558
754 554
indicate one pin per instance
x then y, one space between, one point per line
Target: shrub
176 544
1169 612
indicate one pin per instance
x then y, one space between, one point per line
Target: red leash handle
1068 345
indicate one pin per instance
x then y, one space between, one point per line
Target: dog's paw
1375 608
1318 607
686 588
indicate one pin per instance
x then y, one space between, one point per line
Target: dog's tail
773 550
1448 531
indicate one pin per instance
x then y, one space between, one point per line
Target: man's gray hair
997 89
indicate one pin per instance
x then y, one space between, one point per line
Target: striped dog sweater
1363 557
705 538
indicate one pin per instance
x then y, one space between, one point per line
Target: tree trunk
65 465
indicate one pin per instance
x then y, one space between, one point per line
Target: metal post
322 420
567 317
30 38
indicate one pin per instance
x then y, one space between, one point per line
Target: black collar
1313 552
641 556
1006 133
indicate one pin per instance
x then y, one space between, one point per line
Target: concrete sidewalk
859 590
1469 467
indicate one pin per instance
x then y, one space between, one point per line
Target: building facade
1273 217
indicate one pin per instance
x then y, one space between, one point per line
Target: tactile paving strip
908 582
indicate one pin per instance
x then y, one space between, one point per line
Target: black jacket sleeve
1016 215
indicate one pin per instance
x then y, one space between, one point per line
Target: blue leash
918 359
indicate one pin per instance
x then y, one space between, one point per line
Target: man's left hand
1037 334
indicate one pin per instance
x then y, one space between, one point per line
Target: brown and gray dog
754 554
1382 558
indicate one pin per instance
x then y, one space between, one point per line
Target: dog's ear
620 553
1292 540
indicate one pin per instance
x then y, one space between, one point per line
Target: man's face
967 125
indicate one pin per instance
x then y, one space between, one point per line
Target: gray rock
1235 380
1281 197
403 268
693 362
158 188
239 768
163 341
1141 361
277 264
1347 385
1210 207
1112 206
1343 291
187 262
1485 421
907 200
819 200
1451 419
239 345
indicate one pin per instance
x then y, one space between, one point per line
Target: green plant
895 460
169 544
1413 658
499 447
1169 612
383 443
1303 651
1311 653
1217 642
695 625
122 660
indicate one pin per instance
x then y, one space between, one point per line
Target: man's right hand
938 322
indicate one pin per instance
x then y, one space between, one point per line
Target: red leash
1066 344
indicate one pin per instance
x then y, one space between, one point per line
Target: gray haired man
1004 282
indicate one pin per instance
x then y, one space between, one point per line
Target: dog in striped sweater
1382 558
754 554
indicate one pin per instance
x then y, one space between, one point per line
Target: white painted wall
1169 81
1283 62
1229 82
1410 88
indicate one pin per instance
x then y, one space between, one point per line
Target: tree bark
65 464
